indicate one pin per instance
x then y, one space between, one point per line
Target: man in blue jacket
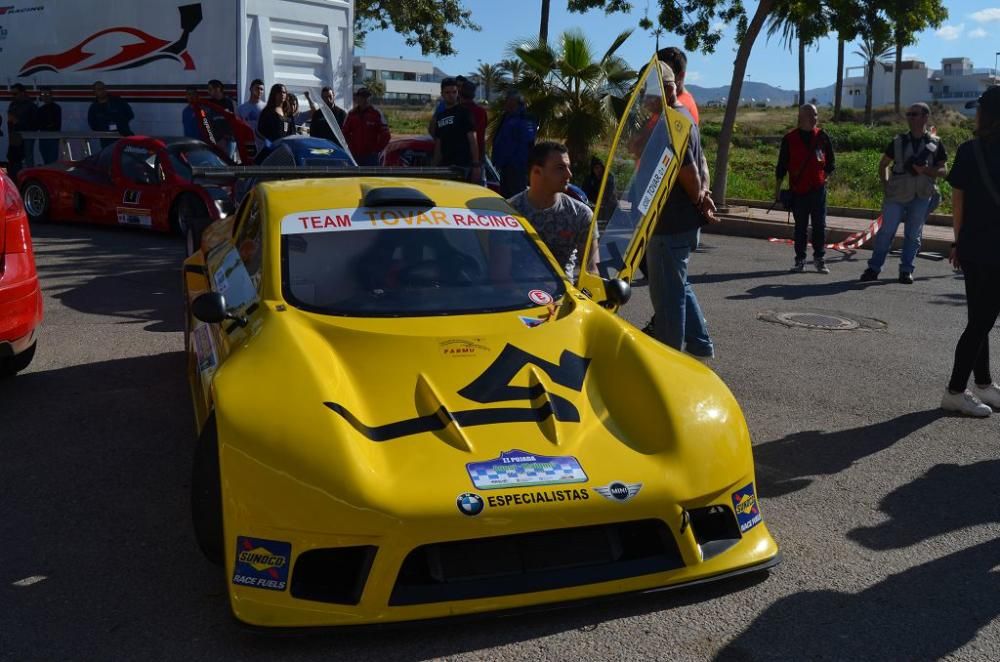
513 140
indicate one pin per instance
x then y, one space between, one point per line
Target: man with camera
917 158
806 156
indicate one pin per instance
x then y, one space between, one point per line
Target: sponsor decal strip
400 218
531 498
856 240
262 563
654 182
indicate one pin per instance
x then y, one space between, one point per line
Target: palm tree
489 76
513 68
569 91
874 49
543 25
846 21
798 22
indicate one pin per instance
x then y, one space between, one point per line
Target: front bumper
379 596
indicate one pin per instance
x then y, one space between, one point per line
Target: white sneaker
989 394
965 403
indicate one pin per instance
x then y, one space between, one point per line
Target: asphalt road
886 510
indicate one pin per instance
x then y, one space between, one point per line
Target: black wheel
189 219
37 201
15 364
206 495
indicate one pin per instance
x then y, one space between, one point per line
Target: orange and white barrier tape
856 240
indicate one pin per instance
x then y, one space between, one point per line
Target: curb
846 212
739 226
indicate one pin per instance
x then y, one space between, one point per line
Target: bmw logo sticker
470 504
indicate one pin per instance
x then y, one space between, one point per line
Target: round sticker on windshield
540 297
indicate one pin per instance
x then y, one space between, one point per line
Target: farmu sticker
746 507
516 468
540 297
398 218
262 563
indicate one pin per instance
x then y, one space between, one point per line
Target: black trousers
805 206
972 354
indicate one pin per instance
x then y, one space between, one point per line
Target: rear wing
73 145
307 172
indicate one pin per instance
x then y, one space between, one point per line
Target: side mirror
617 291
210 308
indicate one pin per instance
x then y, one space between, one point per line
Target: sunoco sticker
262 563
516 468
746 507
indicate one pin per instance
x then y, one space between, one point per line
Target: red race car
138 181
20 296
418 152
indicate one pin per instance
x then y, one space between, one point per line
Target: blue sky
972 30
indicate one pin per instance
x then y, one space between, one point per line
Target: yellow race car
407 410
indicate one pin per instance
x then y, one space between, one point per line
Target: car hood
365 404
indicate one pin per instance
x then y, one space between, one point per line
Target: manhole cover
817 321
821 319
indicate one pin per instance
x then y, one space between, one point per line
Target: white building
406 81
958 82
954 84
913 85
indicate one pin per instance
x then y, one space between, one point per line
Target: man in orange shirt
678 61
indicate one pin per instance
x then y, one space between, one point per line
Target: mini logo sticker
262 563
619 491
747 509
470 504
540 297
516 468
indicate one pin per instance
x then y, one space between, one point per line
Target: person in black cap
975 183
366 129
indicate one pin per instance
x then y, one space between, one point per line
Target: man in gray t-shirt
562 222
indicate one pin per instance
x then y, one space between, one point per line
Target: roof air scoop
396 196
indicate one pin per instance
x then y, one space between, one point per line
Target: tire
37 201
188 211
15 364
206 495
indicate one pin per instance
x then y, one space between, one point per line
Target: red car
20 296
418 152
138 181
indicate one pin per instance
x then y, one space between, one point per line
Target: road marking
28 581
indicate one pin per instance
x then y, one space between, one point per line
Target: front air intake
530 562
336 575
715 528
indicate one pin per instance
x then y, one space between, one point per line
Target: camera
921 159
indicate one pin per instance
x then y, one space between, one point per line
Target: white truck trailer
149 52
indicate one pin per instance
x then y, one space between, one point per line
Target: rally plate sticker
517 468
262 563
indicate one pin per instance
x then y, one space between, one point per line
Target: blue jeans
912 214
679 321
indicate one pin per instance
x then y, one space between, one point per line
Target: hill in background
762 92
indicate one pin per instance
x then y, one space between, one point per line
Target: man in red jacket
806 155
366 129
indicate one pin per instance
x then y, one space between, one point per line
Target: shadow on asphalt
960 497
786 465
707 278
130 276
922 613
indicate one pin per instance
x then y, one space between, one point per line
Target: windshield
182 157
409 261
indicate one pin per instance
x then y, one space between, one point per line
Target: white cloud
950 32
692 76
986 15
978 33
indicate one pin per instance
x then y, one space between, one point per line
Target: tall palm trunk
898 71
869 84
543 28
764 8
838 94
802 71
